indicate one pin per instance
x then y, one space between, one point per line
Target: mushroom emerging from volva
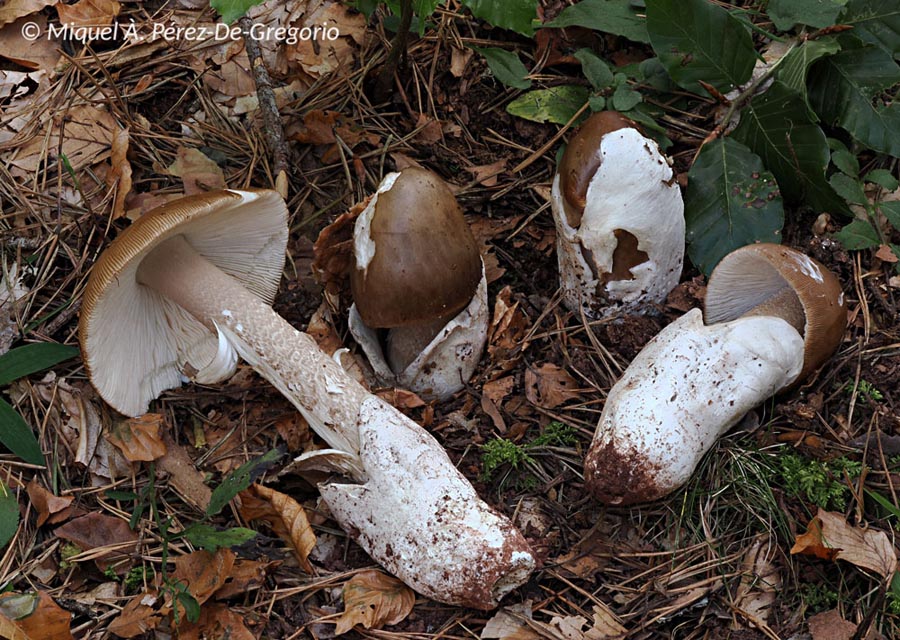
419 278
619 219
186 290
773 315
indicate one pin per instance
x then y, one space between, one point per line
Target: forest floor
141 123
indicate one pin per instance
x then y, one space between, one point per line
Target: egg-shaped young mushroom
202 271
694 381
418 281
619 219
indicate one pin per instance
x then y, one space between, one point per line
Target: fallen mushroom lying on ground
619 219
187 289
773 315
418 275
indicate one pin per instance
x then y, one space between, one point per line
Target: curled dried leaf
286 517
374 600
830 537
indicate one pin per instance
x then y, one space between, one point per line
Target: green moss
822 483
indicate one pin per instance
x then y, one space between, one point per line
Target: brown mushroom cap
425 265
581 160
770 279
133 340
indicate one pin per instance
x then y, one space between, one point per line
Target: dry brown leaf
9 630
428 130
318 127
374 600
141 614
459 58
14 9
285 515
886 254
119 175
294 430
50 508
486 174
498 389
510 623
829 625
493 412
216 622
401 398
86 140
549 386
606 624
108 538
184 477
198 172
139 438
320 56
246 575
829 536
42 53
589 556
204 573
508 329
88 13
759 585
36 615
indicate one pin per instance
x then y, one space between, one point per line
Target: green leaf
814 13
698 40
857 235
231 10
557 104
209 538
850 189
776 127
883 178
17 436
846 162
506 66
731 201
9 514
625 98
31 358
875 21
595 69
891 211
793 68
597 103
190 604
515 15
843 89
654 73
238 480
609 16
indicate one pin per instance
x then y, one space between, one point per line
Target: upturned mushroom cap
135 342
770 279
416 259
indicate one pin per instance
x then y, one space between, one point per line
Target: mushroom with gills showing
418 276
619 219
773 315
187 289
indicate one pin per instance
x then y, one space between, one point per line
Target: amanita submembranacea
420 309
619 219
187 289
772 316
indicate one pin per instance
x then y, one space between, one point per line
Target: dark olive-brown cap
581 160
751 277
423 262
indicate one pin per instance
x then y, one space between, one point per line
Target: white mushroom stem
412 510
287 358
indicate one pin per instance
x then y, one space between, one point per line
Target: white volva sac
688 386
449 360
178 277
633 190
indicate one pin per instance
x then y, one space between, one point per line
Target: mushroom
187 288
773 315
418 276
619 219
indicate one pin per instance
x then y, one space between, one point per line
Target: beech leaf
830 537
374 599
